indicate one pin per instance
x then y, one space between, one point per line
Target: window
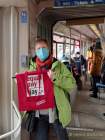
77 46
59 50
72 49
68 40
77 43
64 44
58 38
54 50
72 41
67 50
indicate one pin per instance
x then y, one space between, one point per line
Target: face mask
78 55
42 53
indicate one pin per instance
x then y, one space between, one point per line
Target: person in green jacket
64 82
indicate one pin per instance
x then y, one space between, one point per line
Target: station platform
87 114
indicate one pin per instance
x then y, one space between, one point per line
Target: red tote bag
35 91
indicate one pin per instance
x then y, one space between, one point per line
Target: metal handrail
18 126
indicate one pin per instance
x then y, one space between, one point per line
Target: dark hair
91 48
41 41
98 44
78 53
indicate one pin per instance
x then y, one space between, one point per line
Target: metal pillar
12 10
70 43
80 44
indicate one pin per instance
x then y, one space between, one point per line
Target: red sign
35 91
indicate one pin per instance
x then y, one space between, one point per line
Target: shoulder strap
54 59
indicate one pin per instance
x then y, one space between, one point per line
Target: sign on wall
24 61
24 16
60 3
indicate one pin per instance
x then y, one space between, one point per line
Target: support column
8 65
23 38
5 78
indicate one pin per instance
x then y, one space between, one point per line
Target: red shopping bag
35 91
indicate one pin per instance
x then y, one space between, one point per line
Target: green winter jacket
63 84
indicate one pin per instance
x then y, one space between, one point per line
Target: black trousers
96 79
91 82
42 130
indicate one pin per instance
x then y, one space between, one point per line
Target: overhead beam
81 33
92 29
85 21
76 30
17 3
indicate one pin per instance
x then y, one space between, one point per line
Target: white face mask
78 55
